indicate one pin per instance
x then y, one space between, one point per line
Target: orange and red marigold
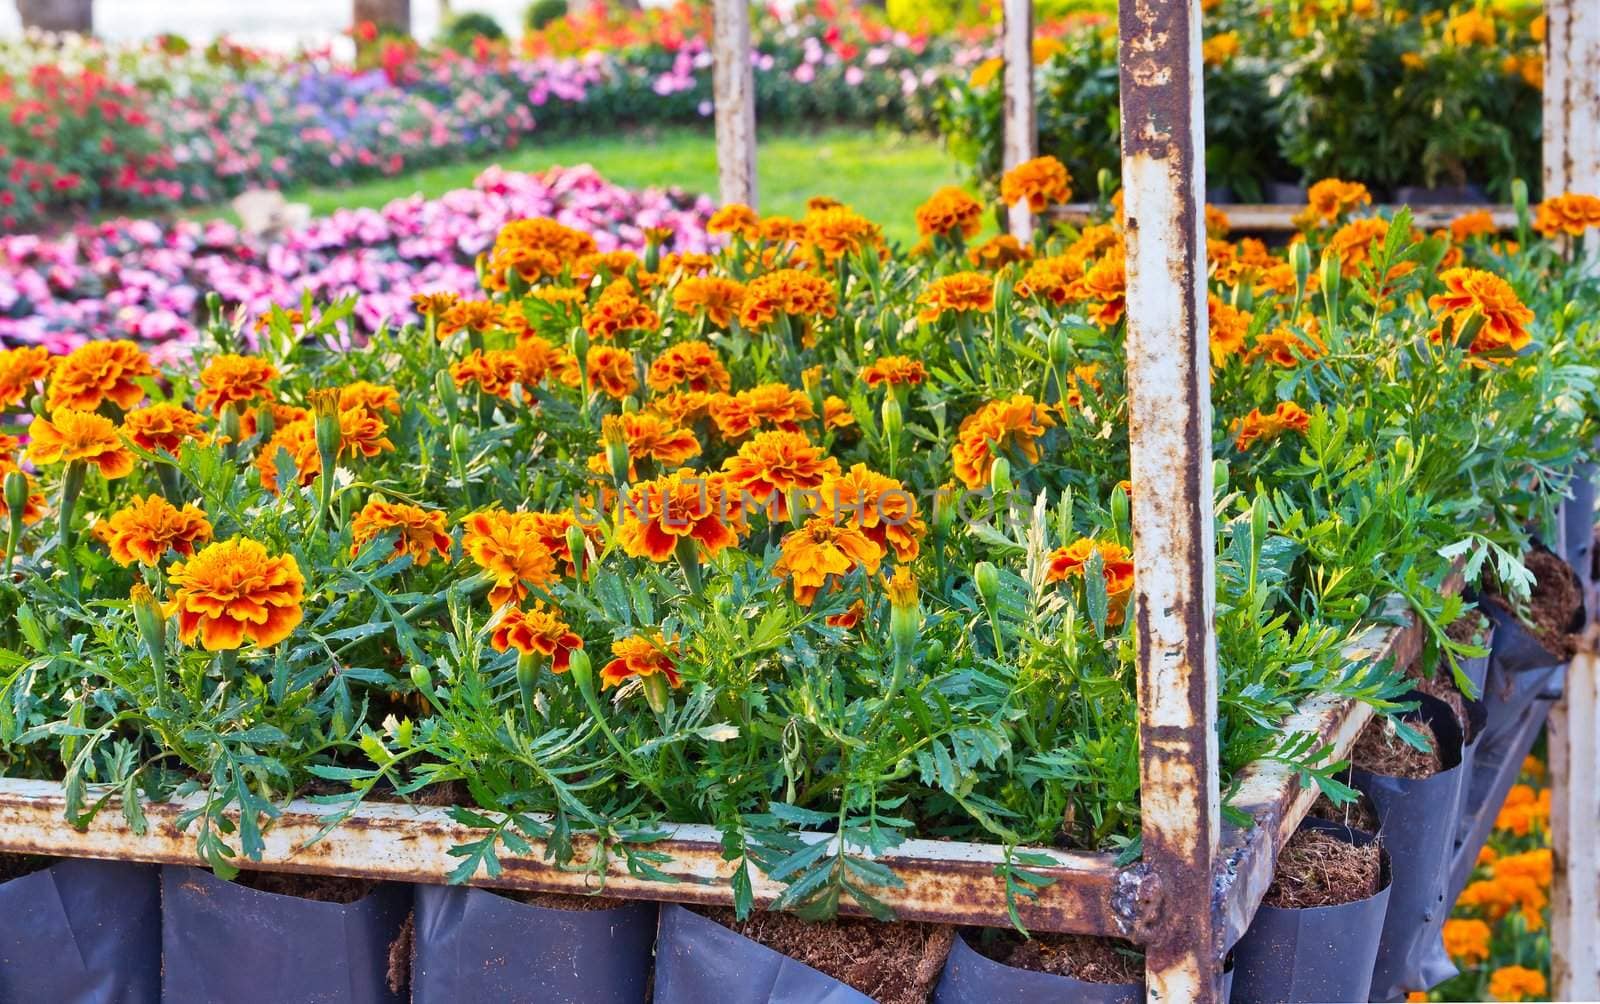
147 528
692 366
511 547
1016 423
1042 182
21 371
538 631
684 505
97 372
1257 427
787 291
69 436
1116 569
775 463
957 293
1570 214
419 532
949 211
1473 292
234 591
641 656
163 426
611 370
820 549
716 297
237 380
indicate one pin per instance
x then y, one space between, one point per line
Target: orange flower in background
682 407
1258 428
894 371
299 440
533 250
510 547
716 297
654 438
1467 940
986 72
617 310
1471 291
612 263
1330 198
470 315
735 218
1042 181
1219 50
771 405
1517 983
1286 348
378 399
230 379
163 427
849 619
539 631
775 463
1217 222
1470 27
1116 570
419 532
70 435
1106 284
33 509
998 251
97 372
1228 328
434 304
690 366
1569 214
1533 766
687 262
147 528
957 293
1537 865
786 291
1015 423
781 230
1524 811
551 528
1053 279
234 591
543 361
1353 244
950 211
683 505
362 432
838 232
21 371
641 655
836 413
878 506
1083 377
611 370
822 548
1478 223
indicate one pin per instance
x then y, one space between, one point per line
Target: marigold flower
1569 213
839 232
494 371
148 527
21 370
70 435
1106 283
1219 49
1228 327
1286 348
552 527
641 655
231 379
1353 243
822 548
998 251
686 262
162 427
690 366
771 405
1470 27
96 372
878 506
986 72
715 296
1256 427
1042 181
1217 222
544 362
651 437
419 532
1053 279
1471 291
233 591
894 371
1523 810
775 463
781 230
682 407
512 549
1478 223
683 505
618 310
1517 983
33 509
533 250
786 291
539 631
950 211
1116 570
849 619
378 399
836 413
1466 940
1532 766
959 292
735 218
609 263
299 440
611 370
1084 376
1536 864
1330 198
1015 423
434 304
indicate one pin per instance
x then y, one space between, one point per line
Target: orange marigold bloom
735 218
1106 283
651 437
494 371
959 292
470 315
33 509
230 379
612 263
147 528
1116 569
533 250
1084 376
1569 214
1286 348
715 296
542 360
786 291
640 655
1467 940
998 251
1042 181
781 229
1536 864
99 371
1054 279
1015 424
683 505
299 440
512 549
617 310
539 631
836 413
771 405
1478 223
234 591
849 619
362 432
162 427
1228 328
1471 291
1353 243
878 506
687 262
682 407
611 370
822 548
419 532
1256 427
70 435
1517 983
1331 198
688 366
775 463
375 398
21 370
950 211
894 371
838 232
434 304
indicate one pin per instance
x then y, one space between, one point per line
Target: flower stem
71 488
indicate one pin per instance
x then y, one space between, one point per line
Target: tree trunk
390 16
57 15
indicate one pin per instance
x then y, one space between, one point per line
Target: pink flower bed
147 281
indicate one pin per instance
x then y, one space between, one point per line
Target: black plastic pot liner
971 978
1419 818
1318 954
224 943
81 932
698 961
1577 520
474 945
1520 670
1495 767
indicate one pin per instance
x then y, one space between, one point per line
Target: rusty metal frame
1280 219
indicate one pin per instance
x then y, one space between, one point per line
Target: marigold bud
577 546
152 622
893 420
1000 477
987 578
16 488
421 678
616 443
657 691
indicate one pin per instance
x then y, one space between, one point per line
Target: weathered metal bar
944 882
1021 127
1275 219
733 88
1169 417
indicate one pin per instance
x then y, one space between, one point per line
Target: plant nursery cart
1200 880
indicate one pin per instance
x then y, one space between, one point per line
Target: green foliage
465 28
540 13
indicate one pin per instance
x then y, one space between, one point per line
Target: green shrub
540 13
461 30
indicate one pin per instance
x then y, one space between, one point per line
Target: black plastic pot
698 961
1419 818
1520 670
80 931
475 945
971 978
1317 954
1577 520
225 943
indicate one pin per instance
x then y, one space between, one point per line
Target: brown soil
1443 686
321 888
1471 628
402 951
1557 598
561 901
896 963
14 866
1358 815
1316 868
1092 960
1378 750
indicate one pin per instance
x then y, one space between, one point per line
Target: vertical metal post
1169 380
1572 164
733 85
1020 127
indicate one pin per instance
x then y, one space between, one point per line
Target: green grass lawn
883 175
